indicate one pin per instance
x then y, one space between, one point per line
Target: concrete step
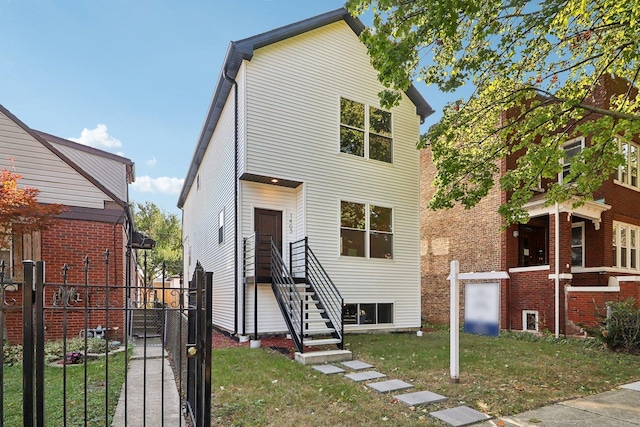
325 341
320 357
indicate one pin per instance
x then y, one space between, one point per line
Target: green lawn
54 397
498 376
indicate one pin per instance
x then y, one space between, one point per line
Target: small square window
530 320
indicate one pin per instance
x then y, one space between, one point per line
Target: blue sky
132 77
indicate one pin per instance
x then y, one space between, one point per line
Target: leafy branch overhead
536 72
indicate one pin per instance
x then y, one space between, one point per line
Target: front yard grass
498 376
54 396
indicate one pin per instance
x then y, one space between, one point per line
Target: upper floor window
577 244
366 230
628 171
625 245
571 149
365 131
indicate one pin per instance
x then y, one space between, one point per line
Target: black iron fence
70 357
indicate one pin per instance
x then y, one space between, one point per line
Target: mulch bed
282 345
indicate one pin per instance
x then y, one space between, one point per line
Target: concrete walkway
146 405
619 407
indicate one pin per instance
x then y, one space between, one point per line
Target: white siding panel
42 169
213 191
110 173
292 126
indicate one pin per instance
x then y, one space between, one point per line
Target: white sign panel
482 308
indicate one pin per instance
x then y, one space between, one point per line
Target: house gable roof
241 50
38 136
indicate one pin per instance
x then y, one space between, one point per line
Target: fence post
40 393
27 344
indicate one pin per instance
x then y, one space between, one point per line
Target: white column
454 324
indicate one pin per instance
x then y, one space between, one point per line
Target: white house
294 146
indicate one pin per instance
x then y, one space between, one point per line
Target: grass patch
499 376
54 393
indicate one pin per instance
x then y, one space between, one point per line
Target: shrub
621 329
12 354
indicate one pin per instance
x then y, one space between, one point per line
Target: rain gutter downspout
235 207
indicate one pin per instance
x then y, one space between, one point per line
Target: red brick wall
69 241
470 236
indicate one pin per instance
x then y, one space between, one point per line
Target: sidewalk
146 400
619 408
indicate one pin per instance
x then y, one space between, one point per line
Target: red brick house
93 185
597 253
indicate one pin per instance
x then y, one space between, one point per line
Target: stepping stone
633 386
357 365
460 416
328 369
365 376
420 398
387 386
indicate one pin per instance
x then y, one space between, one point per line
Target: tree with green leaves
532 69
165 229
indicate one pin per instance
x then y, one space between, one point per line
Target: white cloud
162 184
151 162
98 138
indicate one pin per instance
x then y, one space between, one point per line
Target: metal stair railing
305 266
289 299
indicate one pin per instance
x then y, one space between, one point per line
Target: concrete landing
320 357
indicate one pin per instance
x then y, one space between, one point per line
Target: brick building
93 186
598 257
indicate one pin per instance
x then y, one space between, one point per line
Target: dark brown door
268 226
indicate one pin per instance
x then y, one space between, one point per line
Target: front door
268 226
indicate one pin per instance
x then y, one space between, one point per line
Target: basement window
530 320
368 313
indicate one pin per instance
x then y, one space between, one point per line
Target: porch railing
290 300
305 266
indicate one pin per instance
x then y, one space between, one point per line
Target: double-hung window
628 171
221 227
365 131
366 230
577 244
571 149
625 245
5 256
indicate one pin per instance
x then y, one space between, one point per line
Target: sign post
454 324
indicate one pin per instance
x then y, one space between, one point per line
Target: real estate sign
482 308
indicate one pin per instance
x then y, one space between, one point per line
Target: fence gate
81 348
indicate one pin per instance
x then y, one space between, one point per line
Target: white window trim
524 320
367 230
366 130
617 179
582 226
628 227
562 161
358 324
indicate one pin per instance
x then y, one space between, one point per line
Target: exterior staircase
310 303
145 322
